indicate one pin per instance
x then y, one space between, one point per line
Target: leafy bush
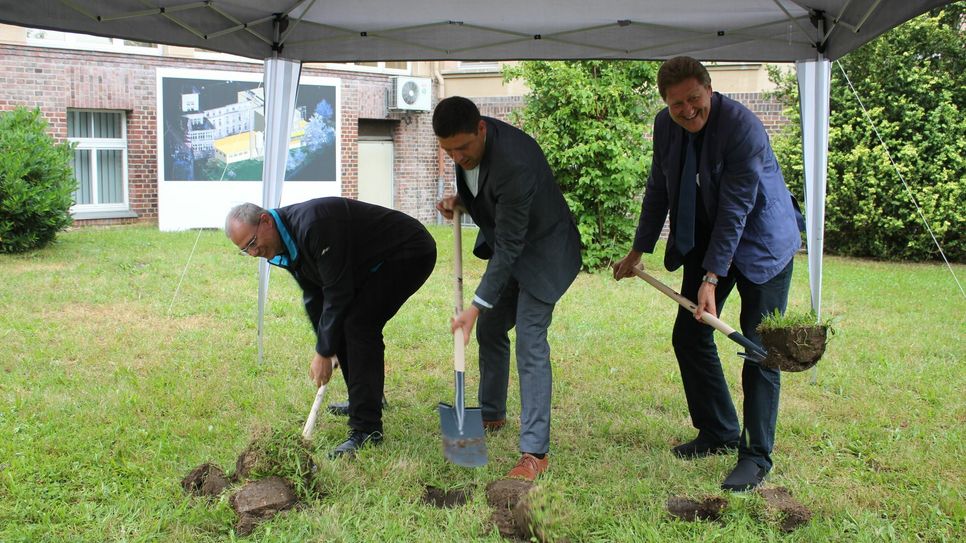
36 182
591 119
912 81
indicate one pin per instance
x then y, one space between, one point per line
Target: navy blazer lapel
709 193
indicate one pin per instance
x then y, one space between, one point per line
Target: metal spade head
463 441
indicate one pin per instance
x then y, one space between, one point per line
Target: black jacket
339 243
522 216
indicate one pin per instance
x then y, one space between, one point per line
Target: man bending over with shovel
528 234
356 263
733 223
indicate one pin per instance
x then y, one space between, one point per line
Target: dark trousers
709 401
362 352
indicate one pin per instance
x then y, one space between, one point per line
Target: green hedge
36 182
912 81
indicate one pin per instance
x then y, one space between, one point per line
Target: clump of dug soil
276 470
795 348
261 500
792 513
690 510
523 511
439 498
205 480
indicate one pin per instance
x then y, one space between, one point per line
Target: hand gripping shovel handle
754 352
309 427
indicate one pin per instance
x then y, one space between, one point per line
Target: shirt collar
291 253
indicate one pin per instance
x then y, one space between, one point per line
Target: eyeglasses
251 244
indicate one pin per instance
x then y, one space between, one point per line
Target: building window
69 40
479 66
396 68
100 159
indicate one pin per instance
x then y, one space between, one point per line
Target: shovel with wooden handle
463 441
753 351
309 427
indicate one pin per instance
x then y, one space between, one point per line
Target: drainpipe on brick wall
440 157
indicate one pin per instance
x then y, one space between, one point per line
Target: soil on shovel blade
709 508
793 514
795 348
439 498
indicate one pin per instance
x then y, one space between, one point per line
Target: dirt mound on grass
275 452
439 498
709 508
205 480
503 496
793 514
278 470
523 511
261 500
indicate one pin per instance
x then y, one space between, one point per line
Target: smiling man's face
689 103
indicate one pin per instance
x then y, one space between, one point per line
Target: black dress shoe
354 442
341 409
700 447
746 476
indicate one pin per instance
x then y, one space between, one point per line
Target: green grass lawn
112 389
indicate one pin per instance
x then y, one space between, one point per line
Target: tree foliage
912 81
591 118
36 182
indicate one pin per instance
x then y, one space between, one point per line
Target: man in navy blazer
531 241
733 223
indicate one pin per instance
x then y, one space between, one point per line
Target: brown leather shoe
493 425
529 467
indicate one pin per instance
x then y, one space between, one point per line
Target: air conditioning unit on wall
411 93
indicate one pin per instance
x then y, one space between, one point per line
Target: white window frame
478 66
103 144
380 68
83 42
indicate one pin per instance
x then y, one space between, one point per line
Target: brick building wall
57 79
765 107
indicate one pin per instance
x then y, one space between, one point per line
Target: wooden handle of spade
309 427
458 340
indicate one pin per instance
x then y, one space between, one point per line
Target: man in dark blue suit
733 223
531 241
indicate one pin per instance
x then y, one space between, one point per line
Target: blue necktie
684 233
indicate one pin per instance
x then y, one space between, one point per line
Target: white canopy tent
810 33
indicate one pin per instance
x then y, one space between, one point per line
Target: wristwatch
709 279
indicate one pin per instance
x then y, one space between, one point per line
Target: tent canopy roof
361 30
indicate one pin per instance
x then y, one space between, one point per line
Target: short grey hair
247 213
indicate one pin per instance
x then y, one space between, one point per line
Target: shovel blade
464 446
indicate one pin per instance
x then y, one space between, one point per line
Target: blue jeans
709 400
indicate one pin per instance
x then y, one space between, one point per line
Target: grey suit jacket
523 218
